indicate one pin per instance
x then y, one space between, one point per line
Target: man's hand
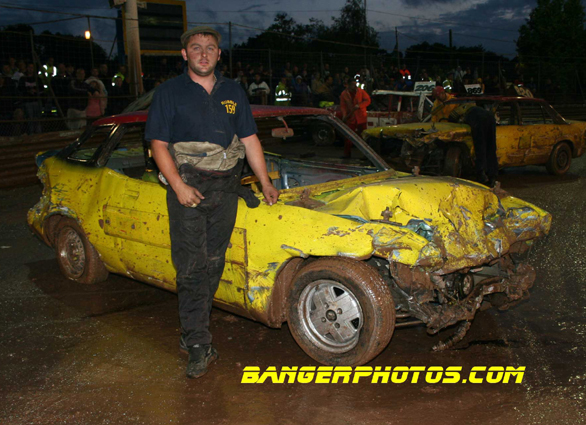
188 196
270 193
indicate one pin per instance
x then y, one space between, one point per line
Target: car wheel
453 162
341 311
560 159
77 257
323 135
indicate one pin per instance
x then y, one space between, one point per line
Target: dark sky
493 23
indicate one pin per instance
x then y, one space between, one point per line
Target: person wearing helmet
440 111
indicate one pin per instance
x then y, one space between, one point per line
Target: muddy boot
200 356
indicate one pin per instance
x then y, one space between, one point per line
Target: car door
136 215
541 130
509 134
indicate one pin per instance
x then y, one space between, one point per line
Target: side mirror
282 133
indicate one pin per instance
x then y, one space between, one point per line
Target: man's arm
186 195
365 99
256 160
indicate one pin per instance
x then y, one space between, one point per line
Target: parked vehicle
351 247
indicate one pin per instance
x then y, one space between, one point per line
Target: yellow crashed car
352 249
529 132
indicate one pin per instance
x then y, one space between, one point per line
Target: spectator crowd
57 89
28 94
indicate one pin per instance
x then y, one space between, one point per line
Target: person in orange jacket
353 102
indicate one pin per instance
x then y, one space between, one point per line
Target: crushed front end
476 251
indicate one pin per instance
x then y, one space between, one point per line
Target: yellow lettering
270 373
473 377
495 374
517 372
452 375
416 370
323 374
404 374
343 372
360 372
250 375
306 374
383 376
434 374
288 372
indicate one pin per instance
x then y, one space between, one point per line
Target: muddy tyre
323 134
340 312
453 162
76 256
560 159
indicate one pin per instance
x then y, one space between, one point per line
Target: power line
63 5
53 21
12 6
9 6
418 18
485 38
306 38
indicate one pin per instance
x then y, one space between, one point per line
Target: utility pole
397 47
451 50
365 31
230 42
89 27
133 47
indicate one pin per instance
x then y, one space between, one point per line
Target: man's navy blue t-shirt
182 111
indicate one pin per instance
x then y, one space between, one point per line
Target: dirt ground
108 353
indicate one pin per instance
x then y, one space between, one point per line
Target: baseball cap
200 30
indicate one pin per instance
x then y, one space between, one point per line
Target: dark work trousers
483 126
199 239
358 129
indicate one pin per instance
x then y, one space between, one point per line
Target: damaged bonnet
461 223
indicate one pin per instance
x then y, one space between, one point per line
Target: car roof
258 111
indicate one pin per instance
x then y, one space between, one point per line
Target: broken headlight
421 228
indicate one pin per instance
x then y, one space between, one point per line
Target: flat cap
200 30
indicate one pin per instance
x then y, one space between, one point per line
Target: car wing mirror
282 132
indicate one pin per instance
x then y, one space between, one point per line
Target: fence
47 109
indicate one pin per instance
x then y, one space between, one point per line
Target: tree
272 38
16 43
352 28
553 42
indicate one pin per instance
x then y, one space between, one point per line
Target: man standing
353 103
196 110
483 128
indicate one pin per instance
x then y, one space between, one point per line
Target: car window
312 154
89 143
532 113
506 114
128 155
313 140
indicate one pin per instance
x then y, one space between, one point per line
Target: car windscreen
314 139
87 147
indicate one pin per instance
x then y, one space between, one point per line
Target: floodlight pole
133 47
230 41
89 27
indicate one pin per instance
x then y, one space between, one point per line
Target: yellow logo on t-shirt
230 106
